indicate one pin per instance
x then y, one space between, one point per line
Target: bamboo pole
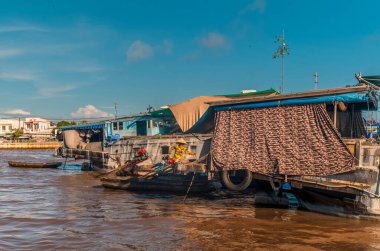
335 112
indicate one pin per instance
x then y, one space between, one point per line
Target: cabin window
155 123
149 123
3 127
10 128
165 150
193 149
114 125
120 125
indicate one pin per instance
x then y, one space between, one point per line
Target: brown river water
66 209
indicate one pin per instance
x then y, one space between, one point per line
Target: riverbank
30 145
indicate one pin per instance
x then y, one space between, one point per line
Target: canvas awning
187 113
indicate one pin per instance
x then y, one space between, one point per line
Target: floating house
99 135
311 146
306 149
174 119
142 125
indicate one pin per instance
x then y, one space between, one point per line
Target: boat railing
369 155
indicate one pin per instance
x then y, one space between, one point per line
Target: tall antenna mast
282 50
282 60
316 80
116 110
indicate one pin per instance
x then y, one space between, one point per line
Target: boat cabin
99 135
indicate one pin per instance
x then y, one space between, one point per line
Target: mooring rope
64 166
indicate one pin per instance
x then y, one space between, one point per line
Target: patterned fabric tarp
293 140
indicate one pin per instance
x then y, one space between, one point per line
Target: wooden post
335 112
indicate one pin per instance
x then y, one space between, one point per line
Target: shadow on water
60 209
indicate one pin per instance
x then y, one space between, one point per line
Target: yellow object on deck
179 152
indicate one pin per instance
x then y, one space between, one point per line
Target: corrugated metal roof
98 125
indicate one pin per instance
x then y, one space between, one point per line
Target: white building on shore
38 127
7 126
32 127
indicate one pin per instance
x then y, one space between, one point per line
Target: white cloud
89 111
23 76
88 69
214 40
50 91
21 27
167 46
191 56
7 53
16 112
139 50
257 5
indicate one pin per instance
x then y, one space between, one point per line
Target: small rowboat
34 164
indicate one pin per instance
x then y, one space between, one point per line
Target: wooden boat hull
34 164
176 183
354 193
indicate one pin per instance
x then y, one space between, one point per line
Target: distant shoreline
30 145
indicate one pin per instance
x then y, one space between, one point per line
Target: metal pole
335 112
282 60
116 110
282 82
316 80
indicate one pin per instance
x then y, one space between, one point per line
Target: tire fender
246 182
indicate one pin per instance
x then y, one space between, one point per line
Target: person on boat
180 151
141 154
130 166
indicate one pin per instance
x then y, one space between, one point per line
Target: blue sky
74 59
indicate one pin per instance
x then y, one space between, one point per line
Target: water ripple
56 209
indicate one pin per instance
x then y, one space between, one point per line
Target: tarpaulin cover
187 113
206 122
293 140
352 97
71 138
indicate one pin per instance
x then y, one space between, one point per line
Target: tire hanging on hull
244 184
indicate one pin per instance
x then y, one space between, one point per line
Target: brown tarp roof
188 112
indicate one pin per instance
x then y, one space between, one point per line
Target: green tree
17 133
65 123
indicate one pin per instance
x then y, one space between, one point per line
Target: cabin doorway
141 128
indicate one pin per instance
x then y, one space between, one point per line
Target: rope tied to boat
64 166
